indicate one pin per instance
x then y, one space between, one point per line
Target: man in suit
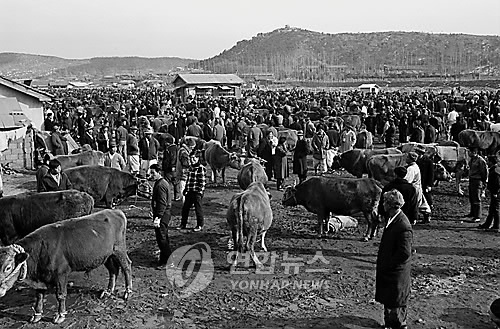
57 140
393 277
55 180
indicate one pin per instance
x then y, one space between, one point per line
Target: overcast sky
201 29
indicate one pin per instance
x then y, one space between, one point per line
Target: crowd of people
125 125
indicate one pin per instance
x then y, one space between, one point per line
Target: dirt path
455 275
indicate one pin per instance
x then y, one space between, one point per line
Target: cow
84 158
106 184
355 161
219 158
364 140
47 256
339 196
381 167
252 171
488 141
249 215
21 214
452 157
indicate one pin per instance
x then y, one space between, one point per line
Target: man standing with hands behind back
393 277
161 202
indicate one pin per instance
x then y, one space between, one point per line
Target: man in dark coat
393 277
55 180
302 149
57 140
161 202
407 190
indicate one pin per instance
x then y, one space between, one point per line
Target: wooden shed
215 85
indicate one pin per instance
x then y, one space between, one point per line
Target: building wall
31 102
20 153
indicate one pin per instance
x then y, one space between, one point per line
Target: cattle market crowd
105 142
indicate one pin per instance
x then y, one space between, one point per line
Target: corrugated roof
8 105
209 79
40 95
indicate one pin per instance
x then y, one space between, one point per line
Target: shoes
197 229
475 220
178 228
469 215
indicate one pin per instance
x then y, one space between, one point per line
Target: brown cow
84 158
252 171
488 141
249 214
355 161
218 159
381 167
48 255
21 214
106 184
339 196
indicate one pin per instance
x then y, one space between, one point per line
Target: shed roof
368 85
22 88
192 79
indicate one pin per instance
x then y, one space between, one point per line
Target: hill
298 54
24 66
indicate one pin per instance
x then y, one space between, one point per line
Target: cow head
12 267
440 173
289 199
235 161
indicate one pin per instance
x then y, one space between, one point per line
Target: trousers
162 238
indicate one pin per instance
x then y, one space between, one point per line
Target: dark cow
106 184
364 140
219 158
381 167
84 158
47 256
23 213
252 171
488 141
339 196
355 161
249 215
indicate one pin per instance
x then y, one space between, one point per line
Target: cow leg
113 267
125 263
61 293
40 295
262 241
322 218
108 199
223 174
251 249
458 178
372 226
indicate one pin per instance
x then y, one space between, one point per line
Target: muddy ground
455 274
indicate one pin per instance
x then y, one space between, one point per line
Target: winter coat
300 157
393 277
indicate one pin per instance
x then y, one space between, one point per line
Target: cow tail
240 219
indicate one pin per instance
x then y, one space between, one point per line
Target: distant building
215 85
369 88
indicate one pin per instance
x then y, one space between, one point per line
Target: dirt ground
455 274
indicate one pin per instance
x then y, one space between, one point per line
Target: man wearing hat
193 191
57 140
88 137
133 151
300 153
113 159
393 273
347 139
407 190
320 144
478 174
148 147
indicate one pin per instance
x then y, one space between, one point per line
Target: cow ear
20 257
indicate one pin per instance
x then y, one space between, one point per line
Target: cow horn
294 182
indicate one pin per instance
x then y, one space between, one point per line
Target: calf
249 214
339 196
251 172
21 214
48 255
218 159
